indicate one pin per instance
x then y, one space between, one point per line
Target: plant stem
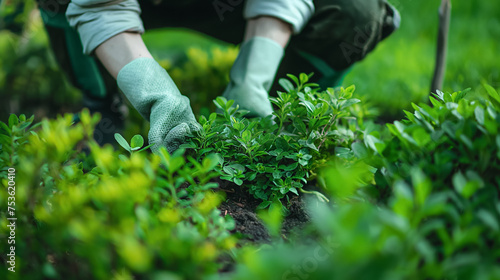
319 195
325 130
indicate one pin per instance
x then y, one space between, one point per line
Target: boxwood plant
276 156
104 216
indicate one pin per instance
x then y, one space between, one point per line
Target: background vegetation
398 72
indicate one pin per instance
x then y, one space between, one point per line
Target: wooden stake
442 45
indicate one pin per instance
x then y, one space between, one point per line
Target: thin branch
325 130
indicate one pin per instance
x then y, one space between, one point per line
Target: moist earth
242 207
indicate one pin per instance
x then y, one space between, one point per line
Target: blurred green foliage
400 69
431 210
30 81
99 217
416 199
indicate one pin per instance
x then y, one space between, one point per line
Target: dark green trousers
340 33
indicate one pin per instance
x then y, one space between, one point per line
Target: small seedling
135 145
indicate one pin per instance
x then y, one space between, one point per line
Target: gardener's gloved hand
153 93
252 75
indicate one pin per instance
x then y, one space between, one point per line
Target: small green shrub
451 148
107 217
417 199
275 156
438 177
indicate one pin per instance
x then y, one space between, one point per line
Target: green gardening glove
252 75
153 93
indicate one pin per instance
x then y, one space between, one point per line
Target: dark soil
242 207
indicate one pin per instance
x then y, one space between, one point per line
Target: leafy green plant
445 160
439 219
415 200
145 215
277 155
12 135
354 240
455 142
136 143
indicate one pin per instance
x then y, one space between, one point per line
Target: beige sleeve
98 20
295 12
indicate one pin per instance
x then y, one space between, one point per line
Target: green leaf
229 104
461 94
250 176
220 102
374 143
463 186
137 142
286 84
122 157
309 106
439 94
479 113
466 141
238 181
246 136
488 219
210 162
5 128
421 137
344 153
175 163
492 92
13 120
49 271
289 167
5 140
421 185
229 170
23 126
349 91
293 78
359 150
282 144
435 102
264 205
303 78
122 142
237 166
349 103
189 145
299 124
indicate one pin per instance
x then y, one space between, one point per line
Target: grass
172 43
400 70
